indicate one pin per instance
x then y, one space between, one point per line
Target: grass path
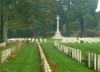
64 63
27 61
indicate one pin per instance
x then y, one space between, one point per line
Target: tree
2 23
33 14
82 11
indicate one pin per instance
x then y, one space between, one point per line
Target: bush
81 41
93 33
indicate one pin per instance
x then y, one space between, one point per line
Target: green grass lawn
64 63
91 47
27 60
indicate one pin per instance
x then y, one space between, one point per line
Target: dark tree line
23 15
37 17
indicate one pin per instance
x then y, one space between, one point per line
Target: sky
98 7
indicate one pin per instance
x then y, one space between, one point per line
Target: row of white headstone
72 52
94 61
44 60
14 40
79 40
6 53
2 44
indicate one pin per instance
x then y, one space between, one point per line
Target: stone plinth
57 35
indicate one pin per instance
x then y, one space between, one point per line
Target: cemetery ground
27 60
85 47
8 45
63 62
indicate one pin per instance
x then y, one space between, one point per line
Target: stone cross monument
57 23
57 33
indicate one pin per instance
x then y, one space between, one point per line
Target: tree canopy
37 17
78 15
26 15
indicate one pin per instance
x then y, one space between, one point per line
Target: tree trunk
44 34
2 22
5 28
5 32
68 32
85 29
81 27
35 35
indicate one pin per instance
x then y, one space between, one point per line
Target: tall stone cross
57 22
57 33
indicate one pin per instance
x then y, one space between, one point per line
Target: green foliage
89 19
82 11
93 33
37 15
25 13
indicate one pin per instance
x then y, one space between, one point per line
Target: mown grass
86 47
64 63
27 60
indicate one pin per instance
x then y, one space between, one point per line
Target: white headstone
66 50
45 40
94 61
89 60
40 39
98 63
80 55
33 40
